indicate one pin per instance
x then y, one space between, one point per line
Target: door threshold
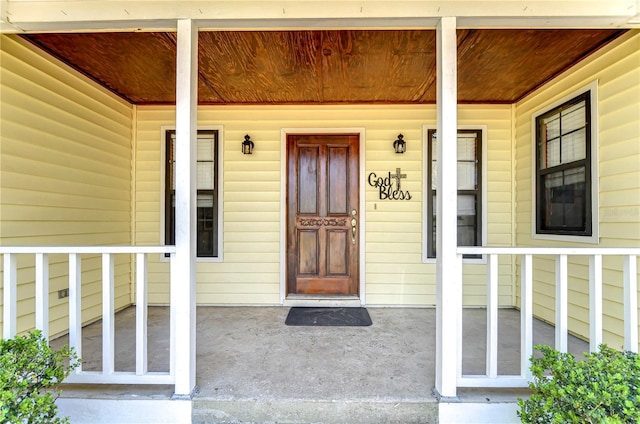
322 300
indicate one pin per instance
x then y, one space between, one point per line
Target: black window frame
169 200
541 226
431 224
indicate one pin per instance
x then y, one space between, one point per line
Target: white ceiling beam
51 15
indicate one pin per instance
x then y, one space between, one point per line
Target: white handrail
85 249
553 251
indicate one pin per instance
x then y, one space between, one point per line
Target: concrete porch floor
253 368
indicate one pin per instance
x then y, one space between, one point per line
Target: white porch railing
491 378
630 293
108 374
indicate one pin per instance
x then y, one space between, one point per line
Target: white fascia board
43 15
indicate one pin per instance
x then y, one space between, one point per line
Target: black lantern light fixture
247 145
400 146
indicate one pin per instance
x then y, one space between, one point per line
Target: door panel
338 253
308 248
338 176
322 214
308 179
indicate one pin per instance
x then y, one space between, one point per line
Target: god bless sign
389 185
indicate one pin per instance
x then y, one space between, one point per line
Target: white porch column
448 274
183 291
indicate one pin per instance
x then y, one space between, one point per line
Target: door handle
354 225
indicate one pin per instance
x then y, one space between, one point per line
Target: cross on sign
398 176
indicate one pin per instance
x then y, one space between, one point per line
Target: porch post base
446 399
189 396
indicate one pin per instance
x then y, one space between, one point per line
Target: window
563 171
469 190
207 192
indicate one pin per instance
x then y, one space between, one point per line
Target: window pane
574 146
433 224
467 222
573 118
466 176
466 151
467 147
205 162
467 233
434 162
553 180
467 161
564 200
171 162
434 175
574 176
205 147
204 200
551 127
205 176
553 154
205 225
466 205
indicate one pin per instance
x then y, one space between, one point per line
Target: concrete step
206 411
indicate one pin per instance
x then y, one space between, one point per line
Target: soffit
325 66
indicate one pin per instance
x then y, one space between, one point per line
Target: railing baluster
458 306
561 303
595 302
42 294
630 277
141 314
108 314
526 315
75 305
492 317
10 302
173 286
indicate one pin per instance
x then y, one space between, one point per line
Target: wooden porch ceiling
313 67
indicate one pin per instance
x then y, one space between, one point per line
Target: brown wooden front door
323 220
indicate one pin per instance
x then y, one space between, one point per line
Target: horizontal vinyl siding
250 272
65 176
617 70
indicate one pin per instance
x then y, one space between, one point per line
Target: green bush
602 388
29 372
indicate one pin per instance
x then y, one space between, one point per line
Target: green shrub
602 388
29 372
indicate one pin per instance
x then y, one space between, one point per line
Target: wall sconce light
400 146
247 145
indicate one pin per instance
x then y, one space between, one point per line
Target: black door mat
329 317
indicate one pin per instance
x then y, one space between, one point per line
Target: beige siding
65 174
250 272
617 70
